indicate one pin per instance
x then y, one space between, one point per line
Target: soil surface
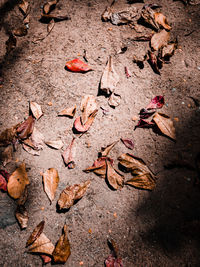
158 228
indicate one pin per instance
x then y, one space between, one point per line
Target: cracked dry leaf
76 65
165 124
8 136
88 106
69 155
109 78
42 245
105 150
36 233
50 181
72 193
143 178
115 179
7 155
80 128
69 112
62 250
21 215
160 39
36 110
57 144
17 182
99 166
25 129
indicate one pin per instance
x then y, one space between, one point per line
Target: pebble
173 89
198 67
183 103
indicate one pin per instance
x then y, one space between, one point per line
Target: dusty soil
158 228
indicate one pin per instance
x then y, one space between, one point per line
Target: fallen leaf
62 250
153 61
88 106
168 50
76 65
128 143
8 136
156 103
114 100
114 179
165 124
84 128
49 6
69 155
36 110
24 6
42 245
160 39
109 78
129 15
30 150
22 200
161 20
72 193
105 150
35 143
11 43
70 112
46 259
17 182
57 144
143 178
21 31
106 14
22 216
144 124
7 155
145 113
36 233
4 176
50 181
113 260
56 18
99 166
50 26
148 16
25 129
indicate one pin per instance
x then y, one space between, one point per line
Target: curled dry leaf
17 182
160 39
84 128
156 103
8 136
49 6
21 31
99 166
69 155
4 176
57 144
168 50
11 43
161 20
153 61
36 110
35 143
143 178
50 181
115 179
25 129
105 150
7 155
22 216
144 124
165 124
110 78
42 245
62 250
88 106
76 65
24 6
114 100
148 16
70 112
128 143
36 233
71 194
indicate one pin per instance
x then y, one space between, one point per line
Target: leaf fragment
99 166
160 39
36 110
25 129
113 260
49 6
57 144
115 179
144 124
128 143
153 61
42 245
69 155
165 124
62 250
70 112
161 20
156 103
88 106
114 100
50 181
168 50
24 6
76 65
84 128
36 233
106 150
45 258
72 193
21 215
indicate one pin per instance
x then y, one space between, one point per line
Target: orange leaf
50 180
76 65
84 128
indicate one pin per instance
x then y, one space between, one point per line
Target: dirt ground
158 228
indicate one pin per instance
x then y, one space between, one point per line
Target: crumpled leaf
161 20
8 136
49 6
88 106
143 178
99 166
168 50
160 39
114 100
42 245
156 103
35 143
113 260
21 31
72 193
50 181
165 124
69 155
21 215
109 78
7 155
36 110
4 176
57 144
126 16
84 128
105 150
144 124
17 182
25 129
11 43
62 250
153 61
36 233
70 112
114 179
76 65
128 143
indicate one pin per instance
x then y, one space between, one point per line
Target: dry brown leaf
42 245
24 6
57 144
143 178
88 106
22 216
17 182
80 128
62 250
8 136
25 129
160 39
114 100
22 200
99 167
69 155
30 150
35 143
168 50
50 180
21 31
106 14
115 179
165 124
110 78
7 155
49 6
72 193
129 15
26 19
70 112
105 150
46 259
148 16
161 20
36 110
36 233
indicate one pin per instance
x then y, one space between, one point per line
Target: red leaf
128 143
26 128
111 261
76 65
144 124
4 176
127 72
156 102
84 128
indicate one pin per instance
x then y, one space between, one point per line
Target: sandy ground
159 228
